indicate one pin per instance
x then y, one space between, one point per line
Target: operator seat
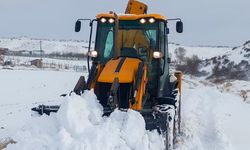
129 52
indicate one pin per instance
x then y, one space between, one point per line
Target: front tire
169 141
173 122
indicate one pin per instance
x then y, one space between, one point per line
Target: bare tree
180 54
193 64
190 66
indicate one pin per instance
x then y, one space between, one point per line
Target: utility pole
41 51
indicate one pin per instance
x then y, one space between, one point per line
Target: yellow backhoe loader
130 68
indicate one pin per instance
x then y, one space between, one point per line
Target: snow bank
79 125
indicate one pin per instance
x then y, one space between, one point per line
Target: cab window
104 42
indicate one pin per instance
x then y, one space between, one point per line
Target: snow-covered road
213 120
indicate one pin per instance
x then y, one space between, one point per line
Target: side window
162 42
108 45
104 42
152 38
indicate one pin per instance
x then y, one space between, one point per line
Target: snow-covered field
23 89
62 46
24 63
49 46
25 60
212 118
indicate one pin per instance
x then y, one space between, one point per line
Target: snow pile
79 125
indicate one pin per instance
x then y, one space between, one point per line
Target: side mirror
179 26
167 31
78 26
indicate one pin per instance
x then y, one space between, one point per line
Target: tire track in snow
200 122
210 135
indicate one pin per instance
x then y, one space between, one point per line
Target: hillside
49 46
214 63
234 64
204 52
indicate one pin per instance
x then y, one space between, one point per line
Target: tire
178 115
169 133
173 124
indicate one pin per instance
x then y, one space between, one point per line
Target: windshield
134 40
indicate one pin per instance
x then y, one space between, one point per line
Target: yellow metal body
136 7
125 75
131 16
141 92
179 76
93 83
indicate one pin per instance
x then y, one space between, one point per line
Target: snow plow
130 68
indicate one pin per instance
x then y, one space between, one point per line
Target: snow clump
79 125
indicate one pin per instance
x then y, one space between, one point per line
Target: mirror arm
90 21
173 19
179 24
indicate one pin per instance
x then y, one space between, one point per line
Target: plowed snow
79 125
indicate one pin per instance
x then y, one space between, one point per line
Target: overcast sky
206 22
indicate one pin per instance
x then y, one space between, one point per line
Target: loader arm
136 7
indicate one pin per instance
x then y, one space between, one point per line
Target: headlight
103 20
151 20
93 53
142 21
157 55
111 20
